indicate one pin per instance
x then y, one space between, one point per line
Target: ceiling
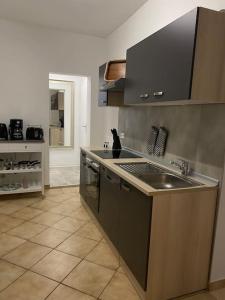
92 17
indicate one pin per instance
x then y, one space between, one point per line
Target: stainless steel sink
167 181
158 178
141 168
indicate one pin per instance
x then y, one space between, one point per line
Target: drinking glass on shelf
2 164
25 183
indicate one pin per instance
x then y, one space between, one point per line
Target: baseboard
48 187
216 285
65 166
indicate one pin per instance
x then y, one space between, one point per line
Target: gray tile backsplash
196 133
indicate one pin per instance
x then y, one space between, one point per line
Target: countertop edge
140 185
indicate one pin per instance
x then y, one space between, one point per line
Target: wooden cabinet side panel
209 65
180 246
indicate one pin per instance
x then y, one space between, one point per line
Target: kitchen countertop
21 141
142 186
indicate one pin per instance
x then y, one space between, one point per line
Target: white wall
152 16
67 157
27 55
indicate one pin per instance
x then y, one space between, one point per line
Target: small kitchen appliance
34 133
3 132
16 129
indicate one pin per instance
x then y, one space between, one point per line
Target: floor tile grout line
101 265
33 263
14 227
75 266
29 270
7 252
107 285
52 249
25 271
32 220
82 260
24 208
49 226
51 292
27 239
76 289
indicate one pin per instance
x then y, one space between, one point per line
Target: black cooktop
113 154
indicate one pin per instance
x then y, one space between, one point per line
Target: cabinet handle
144 96
125 187
159 93
108 177
95 165
88 160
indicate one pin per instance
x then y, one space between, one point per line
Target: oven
90 181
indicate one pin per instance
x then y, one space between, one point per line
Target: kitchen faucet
183 165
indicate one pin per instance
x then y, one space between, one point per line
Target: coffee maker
16 129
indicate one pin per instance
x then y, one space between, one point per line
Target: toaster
3 132
34 133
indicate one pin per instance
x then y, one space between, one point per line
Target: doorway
69 119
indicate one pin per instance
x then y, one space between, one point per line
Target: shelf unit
31 180
23 190
39 170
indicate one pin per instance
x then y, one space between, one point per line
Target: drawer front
26 147
4 148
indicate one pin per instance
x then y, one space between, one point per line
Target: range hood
113 85
114 77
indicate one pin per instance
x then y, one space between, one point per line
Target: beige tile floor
50 249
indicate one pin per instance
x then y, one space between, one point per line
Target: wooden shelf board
21 171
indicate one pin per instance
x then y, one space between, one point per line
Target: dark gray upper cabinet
160 67
175 62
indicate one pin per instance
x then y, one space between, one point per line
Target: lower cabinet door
134 230
109 205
